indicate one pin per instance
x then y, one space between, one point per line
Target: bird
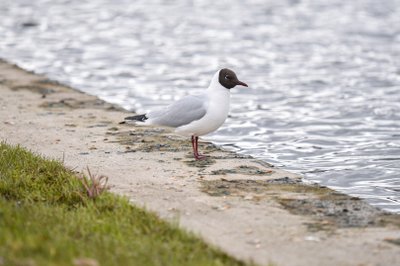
196 115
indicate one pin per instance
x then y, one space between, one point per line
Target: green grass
46 218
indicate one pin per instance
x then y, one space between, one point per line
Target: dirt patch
200 163
161 140
49 82
149 140
330 209
41 86
394 241
37 89
340 210
73 103
224 187
242 169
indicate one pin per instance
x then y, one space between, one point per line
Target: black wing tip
140 118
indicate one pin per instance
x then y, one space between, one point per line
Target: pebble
254 242
248 197
85 262
249 231
312 238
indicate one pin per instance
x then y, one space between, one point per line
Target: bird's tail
140 118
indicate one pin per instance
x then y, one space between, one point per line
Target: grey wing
182 112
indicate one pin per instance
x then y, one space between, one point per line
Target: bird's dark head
228 79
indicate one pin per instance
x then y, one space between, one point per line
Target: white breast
217 112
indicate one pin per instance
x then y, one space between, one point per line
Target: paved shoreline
245 206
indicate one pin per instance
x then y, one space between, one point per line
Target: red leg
197 155
194 148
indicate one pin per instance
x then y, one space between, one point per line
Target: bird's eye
227 77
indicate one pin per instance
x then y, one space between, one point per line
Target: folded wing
182 112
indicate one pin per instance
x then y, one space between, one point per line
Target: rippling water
324 96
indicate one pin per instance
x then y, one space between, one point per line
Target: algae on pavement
47 219
328 208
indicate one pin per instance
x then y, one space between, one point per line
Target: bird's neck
216 89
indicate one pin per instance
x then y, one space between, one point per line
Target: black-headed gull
197 115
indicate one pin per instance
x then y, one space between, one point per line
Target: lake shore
247 207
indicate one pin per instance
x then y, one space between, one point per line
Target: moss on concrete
328 208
